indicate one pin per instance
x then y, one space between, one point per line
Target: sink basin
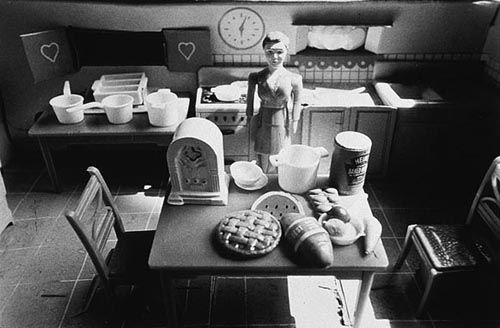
407 96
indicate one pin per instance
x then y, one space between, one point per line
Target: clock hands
242 26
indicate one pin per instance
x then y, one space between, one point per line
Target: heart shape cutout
50 51
186 49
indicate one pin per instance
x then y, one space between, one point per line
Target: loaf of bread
309 240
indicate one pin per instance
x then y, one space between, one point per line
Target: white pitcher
298 167
162 107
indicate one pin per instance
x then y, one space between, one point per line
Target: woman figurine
280 107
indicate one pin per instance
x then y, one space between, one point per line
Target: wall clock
241 28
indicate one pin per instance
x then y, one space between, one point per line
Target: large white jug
298 167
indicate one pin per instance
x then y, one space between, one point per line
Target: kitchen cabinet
321 125
422 140
378 124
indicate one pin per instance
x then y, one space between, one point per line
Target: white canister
298 167
162 107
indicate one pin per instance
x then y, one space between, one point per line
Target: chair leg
426 293
406 249
90 295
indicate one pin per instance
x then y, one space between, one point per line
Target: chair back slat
105 230
93 220
87 197
489 216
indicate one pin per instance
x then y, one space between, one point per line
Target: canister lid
353 140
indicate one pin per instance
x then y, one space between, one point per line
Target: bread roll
309 239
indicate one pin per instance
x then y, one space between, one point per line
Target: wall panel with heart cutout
49 54
188 49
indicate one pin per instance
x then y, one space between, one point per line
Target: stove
208 97
230 117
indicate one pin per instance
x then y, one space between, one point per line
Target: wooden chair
93 221
446 250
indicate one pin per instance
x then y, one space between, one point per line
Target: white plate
258 185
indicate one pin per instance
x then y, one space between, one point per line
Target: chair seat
447 246
129 260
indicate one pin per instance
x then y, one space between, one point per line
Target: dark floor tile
393 250
12 264
69 180
421 194
267 301
400 219
477 323
386 229
52 264
396 297
37 305
39 205
413 260
97 316
372 197
410 324
196 309
228 305
14 199
467 298
26 233
19 181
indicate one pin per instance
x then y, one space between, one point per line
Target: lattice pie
249 232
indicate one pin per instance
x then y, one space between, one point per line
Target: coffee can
349 162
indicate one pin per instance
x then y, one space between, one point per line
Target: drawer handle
227 131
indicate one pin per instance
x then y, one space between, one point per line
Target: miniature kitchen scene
255 164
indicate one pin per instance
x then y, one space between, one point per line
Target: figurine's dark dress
270 132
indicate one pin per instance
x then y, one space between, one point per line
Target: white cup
61 103
162 107
118 108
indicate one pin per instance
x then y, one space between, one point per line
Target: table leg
49 163
168 296
363 297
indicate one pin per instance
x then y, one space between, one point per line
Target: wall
426 28
492 51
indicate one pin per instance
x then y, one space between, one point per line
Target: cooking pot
298 167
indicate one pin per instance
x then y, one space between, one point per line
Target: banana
373 231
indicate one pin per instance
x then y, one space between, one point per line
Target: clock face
241 28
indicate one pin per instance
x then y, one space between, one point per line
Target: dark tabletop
47 125
183 242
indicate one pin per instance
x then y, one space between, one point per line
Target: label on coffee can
355 169
350 162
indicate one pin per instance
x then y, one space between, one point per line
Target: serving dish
347 240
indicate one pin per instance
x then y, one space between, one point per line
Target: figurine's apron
269 130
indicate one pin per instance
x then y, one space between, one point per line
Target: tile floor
44 270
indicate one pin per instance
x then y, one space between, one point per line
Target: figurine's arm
297 101
252 81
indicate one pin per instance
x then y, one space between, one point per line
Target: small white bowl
341 241
246 173
227 92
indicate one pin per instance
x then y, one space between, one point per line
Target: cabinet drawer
236 140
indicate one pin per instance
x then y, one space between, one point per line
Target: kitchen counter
341 95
